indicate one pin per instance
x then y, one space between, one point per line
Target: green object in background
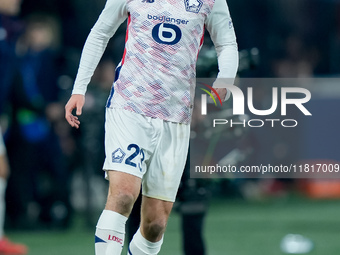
26 117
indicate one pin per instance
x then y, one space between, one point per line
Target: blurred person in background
42 179
10 29
6 246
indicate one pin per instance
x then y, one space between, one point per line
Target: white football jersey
156 76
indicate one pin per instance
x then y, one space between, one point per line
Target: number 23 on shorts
119 154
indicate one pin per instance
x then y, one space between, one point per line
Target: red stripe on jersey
126 37
202 39
201 43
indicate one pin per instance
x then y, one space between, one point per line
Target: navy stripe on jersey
108 104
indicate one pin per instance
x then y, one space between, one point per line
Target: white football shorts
149 148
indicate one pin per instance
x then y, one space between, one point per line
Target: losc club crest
193 5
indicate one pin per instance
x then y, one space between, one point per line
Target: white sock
110 233
140 246
3 184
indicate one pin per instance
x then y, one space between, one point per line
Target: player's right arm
113 15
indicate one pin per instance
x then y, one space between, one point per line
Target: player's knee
154 229
121 202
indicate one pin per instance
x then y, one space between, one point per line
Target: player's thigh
163 177
4 169
128 142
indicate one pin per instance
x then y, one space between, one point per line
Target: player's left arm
220 27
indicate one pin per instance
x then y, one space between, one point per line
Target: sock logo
115 239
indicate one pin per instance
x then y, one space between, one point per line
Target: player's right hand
76 102
222 93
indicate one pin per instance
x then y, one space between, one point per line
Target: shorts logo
148 1
193 5
118 156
